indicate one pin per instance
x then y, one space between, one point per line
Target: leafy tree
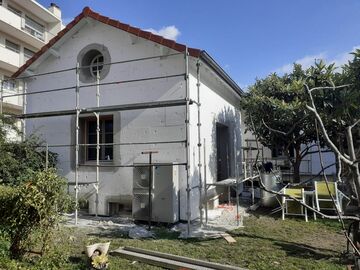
18 159
31 196
276 105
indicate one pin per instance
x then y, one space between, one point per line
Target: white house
152 95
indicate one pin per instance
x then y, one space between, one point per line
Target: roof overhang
207 59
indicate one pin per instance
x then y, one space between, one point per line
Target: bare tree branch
356 123
273 130
285 133
325 134
329 87
331 195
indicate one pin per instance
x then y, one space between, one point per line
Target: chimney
54 9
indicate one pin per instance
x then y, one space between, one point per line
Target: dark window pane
105 136
109 126
108 153
91 127
108 138
91 153
92 139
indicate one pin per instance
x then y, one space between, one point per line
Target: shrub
33 205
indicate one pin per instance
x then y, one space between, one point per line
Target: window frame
103 133
8 84
9 42
14 10
27 56
29 28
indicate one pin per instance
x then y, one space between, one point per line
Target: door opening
223 154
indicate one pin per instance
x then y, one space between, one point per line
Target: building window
92 64
28 54
93 59
106 137
34 28
12 46
97 64
9 84
14 10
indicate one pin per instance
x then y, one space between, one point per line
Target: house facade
25 27
104 94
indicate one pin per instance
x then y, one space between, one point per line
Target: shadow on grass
294 249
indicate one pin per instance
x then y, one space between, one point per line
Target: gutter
206 58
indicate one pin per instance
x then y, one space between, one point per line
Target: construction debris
138 232
228 238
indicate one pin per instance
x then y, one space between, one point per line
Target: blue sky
248 38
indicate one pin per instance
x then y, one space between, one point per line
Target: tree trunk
297 163
16 250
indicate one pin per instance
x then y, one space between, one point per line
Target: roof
88 13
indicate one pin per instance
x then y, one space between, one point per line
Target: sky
248 38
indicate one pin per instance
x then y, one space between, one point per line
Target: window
9 84
106 137
14 10
34 28
92 63
12 46
28 54
96 65
92 60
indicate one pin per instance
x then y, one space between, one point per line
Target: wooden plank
156 261
228 238
169 260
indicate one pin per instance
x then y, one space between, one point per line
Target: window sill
93 162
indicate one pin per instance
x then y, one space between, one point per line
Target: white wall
161 124
218 105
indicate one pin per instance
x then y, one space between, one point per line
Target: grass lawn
264 243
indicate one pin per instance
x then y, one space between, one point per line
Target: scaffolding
97 110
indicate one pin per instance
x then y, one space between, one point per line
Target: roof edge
204 56
88 13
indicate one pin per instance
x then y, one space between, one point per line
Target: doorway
223 154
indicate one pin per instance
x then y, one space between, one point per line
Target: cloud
170 32
339 60
343 58
305 62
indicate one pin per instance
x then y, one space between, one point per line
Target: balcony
14 25
10 18
9 60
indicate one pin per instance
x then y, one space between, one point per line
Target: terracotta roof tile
87 12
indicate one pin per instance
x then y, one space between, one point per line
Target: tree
344 117
277 107
32 195
18 159
333 99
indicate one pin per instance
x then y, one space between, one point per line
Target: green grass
264 243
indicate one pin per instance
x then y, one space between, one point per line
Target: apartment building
25 27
